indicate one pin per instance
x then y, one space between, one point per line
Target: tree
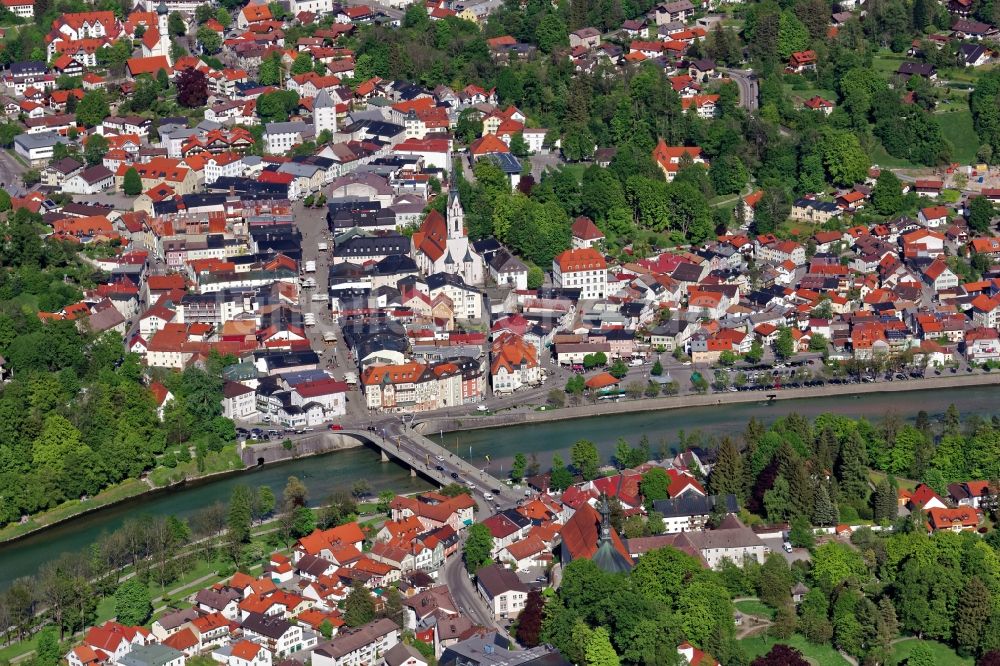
585 458
551 32
784 344
270 71
303 521
728 174
814 617
981 212
792 35
192 88
265 501
618 369
469 125
240 514
47 652
529 622
518 146
295 494
887 197
824 512
654 485
360 488
852 468
133 605
536 277
478 547
517 469
223 17
210 40
781 655
176 26
97 148
302 63
920 654
132 183
359 606
561 478
801 534
599 650
817 342
756 352
277 105
326 629
834 563
845 160
93 108
884 502
727 473
657 369
972 614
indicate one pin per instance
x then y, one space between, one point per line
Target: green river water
325 473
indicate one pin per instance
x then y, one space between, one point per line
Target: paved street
10 173
464 592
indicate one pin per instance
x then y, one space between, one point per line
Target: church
588 535
440 245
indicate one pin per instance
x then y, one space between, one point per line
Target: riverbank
324 442
156 482
434 425
320 443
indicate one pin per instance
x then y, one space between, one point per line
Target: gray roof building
151 655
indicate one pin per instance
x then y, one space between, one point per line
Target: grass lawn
943 655
222 461
755 607
886 62
884 159
819 655
957 128
876 476
803 94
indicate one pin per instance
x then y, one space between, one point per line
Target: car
787 547
439 468
495 491
454 475
482 408
336 426
440 458
489 497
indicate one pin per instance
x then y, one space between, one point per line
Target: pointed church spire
605 510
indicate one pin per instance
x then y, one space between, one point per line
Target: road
467 597
746 81
11 172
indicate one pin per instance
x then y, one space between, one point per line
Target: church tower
324 113
162 26
456 216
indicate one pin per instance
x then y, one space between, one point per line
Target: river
340 469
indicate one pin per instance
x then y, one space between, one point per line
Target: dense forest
77 414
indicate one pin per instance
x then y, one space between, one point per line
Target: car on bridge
336 426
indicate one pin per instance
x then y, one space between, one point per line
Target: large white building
365 645
584 269
280 137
